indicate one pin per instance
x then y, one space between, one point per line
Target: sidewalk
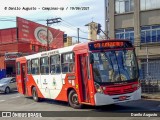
151 95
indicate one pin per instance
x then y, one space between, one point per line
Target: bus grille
120 91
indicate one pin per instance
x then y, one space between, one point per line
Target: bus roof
69 48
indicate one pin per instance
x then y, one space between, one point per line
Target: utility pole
106 5
78 34
147 60
49 22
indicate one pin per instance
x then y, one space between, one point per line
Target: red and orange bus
95 73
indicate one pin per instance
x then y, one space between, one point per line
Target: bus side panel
20 87
32 83
67 84
55 84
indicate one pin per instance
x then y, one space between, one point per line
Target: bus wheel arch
31 89
73 99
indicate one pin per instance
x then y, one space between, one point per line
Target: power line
83 38
36 20
49 22
83 31
65 23
69 26
74 26
69 23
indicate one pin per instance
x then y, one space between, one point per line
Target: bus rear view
115 72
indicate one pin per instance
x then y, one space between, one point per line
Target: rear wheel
7 90
73 100
35 94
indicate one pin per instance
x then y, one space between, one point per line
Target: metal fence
150 86
150 76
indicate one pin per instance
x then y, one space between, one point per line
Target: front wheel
73 100
7 90
35 94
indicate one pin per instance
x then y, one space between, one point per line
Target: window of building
123 6
127 33
44 65
18 68
42 49
33 48
55 64
28 66
150 34
68 64
35 66
149 4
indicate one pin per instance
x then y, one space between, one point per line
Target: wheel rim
34 95
75 99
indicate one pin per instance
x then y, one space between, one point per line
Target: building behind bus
26 38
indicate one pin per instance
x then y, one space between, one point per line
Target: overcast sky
72 19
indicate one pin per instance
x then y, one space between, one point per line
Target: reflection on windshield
114 66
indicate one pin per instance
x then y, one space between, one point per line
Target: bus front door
83 62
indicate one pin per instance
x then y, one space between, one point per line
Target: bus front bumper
102 99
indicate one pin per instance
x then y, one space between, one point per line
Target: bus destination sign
109 44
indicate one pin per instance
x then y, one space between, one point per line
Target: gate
150 76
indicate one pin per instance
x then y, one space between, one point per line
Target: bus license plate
121 98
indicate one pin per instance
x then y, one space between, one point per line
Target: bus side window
35 66
52 69
28 67
55 64
44 65
72 67
65 67
58 70
68 62
33 71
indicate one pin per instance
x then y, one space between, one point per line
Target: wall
150 17
124 20
8 35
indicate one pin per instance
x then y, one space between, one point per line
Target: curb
145 96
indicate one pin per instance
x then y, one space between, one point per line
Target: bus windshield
114 66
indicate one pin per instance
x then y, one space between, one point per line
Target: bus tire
73 100
35 94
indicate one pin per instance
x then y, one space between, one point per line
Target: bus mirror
91 57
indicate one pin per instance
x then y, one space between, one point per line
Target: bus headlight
136 85
98 88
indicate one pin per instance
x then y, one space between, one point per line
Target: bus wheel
35 95
73 100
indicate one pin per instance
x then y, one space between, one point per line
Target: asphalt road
17 102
